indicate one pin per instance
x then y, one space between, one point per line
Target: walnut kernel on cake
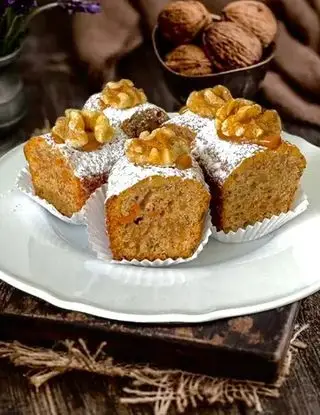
168 146
207 101
83 129
122 94
246 122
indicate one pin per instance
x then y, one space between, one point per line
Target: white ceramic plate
50 259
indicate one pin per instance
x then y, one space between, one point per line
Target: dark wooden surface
54 82
248 347
83 394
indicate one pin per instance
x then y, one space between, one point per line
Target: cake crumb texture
157 218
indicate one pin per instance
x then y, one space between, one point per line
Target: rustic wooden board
250 347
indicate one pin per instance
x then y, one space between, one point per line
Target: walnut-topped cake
253 174
126 107
69 163
156 209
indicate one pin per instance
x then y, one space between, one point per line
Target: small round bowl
243 82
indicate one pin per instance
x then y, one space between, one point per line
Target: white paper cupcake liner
260 229
24 184
100 244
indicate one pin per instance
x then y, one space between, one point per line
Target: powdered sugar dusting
197 124
218 157
93 103
221 157
125 175
91 163
193 121
117 116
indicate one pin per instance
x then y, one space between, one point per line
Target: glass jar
12 97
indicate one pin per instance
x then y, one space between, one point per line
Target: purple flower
82 6
20 6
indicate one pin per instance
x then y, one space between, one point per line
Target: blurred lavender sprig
80 6
15 16
20 7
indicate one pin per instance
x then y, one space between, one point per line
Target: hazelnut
189 60
180 21
253 16
229 46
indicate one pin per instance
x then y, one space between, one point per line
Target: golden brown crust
260 187
54 180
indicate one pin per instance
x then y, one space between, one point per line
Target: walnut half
83 129
207 101
121 95
244 121
163 147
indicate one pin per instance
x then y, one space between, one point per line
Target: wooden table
54 82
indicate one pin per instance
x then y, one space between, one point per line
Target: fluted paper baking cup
260 229
24 184
100 244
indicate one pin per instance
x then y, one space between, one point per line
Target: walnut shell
180 21
253 16
189 60
229 46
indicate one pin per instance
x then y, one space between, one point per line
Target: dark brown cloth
292 86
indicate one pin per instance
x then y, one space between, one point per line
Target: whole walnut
229 46
253 16
189 60
182 20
